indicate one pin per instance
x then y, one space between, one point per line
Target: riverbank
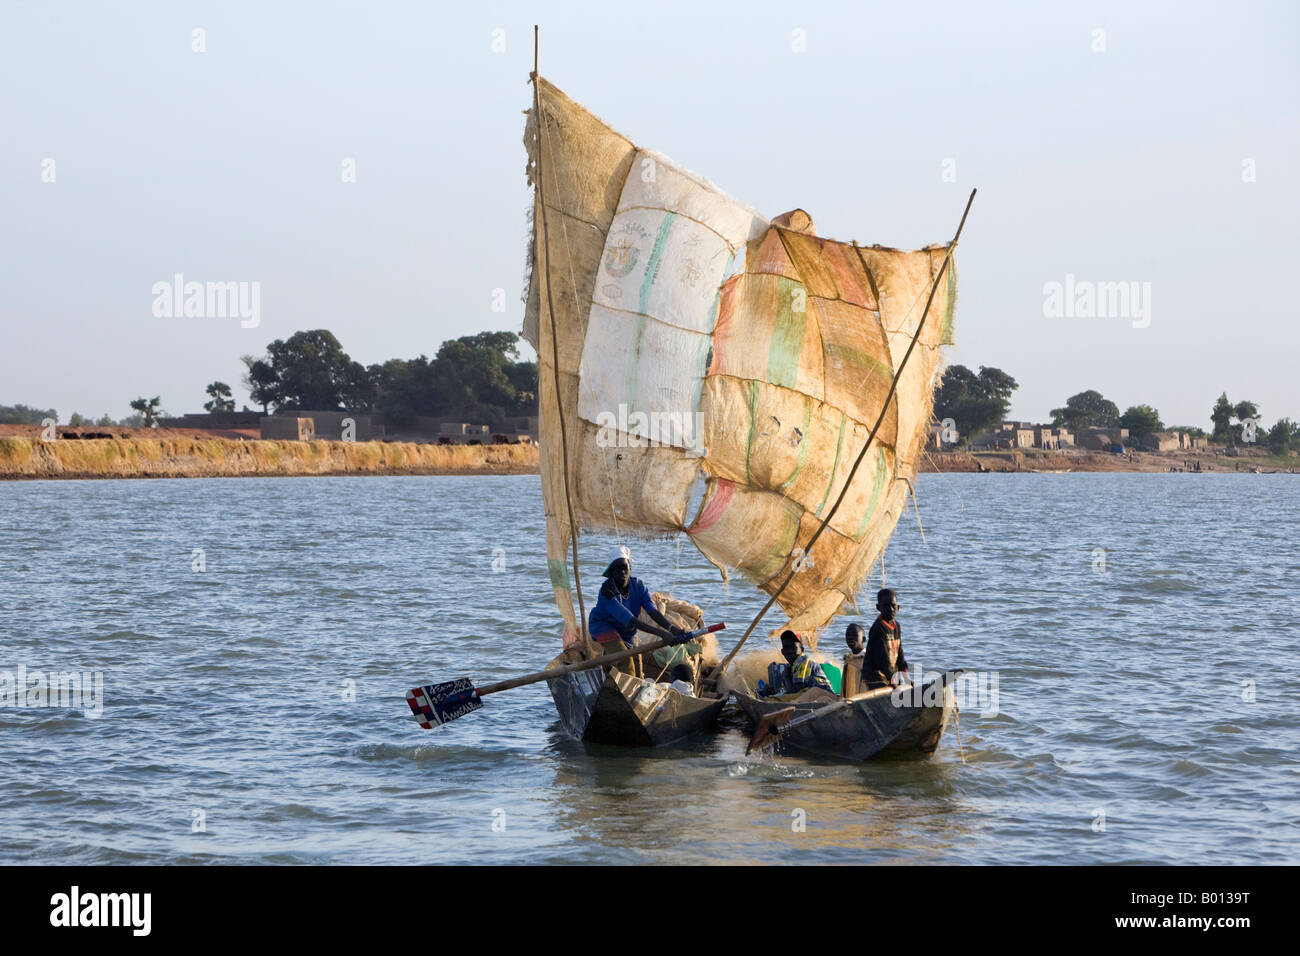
1080 460
142 454
183 457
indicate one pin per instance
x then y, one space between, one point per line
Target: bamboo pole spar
603 661
555 349
893 387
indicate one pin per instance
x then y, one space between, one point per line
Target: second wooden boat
906 720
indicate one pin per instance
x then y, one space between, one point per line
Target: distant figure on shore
856 639
615 619
800 672
884 657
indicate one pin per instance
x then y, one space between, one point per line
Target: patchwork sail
719 372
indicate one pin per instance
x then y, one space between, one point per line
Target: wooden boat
884 721
607 706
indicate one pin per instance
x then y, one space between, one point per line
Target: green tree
975 402
404 389
1221 416
1141 420
471 378
523 378
1284 437
1086 410
148 410
309 371
106 420
23 415
76 421
259 379
1244 410
222 399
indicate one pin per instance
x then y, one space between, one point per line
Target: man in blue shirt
616 617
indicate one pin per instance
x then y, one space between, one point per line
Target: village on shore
248 444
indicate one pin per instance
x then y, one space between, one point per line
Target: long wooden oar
771 725
436 704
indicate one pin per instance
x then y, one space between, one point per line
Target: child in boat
800 671
884 657
856 639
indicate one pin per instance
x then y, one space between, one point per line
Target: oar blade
436 704
768 727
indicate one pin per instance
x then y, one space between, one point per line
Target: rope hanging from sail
893 387
607 472
555 351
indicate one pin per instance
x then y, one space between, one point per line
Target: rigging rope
555 352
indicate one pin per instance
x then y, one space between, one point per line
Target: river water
255 639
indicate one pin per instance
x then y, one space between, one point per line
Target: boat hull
875 724
611 707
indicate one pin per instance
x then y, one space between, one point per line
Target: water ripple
254 712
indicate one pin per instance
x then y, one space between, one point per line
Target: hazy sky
1127 163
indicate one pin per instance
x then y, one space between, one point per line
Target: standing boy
884 658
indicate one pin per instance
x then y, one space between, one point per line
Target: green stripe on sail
652 267
643 304
877 487
949 305
803 446
787 333
839 445
753 427
848 355
773 562
559 571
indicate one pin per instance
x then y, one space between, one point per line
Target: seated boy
800 671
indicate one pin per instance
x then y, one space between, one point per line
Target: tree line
475 377
478 378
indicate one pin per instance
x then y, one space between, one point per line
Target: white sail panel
656 182
643 377
673 242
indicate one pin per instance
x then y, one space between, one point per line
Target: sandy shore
177 453
1079 460
184 457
